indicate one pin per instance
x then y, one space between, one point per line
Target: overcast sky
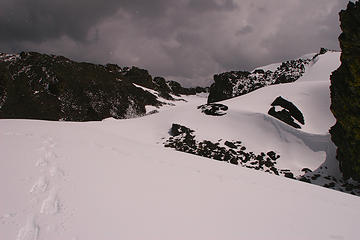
185 40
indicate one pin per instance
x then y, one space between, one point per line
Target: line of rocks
183 139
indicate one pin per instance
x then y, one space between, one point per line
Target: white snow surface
114 179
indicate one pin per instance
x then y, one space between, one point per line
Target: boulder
213 109
288 114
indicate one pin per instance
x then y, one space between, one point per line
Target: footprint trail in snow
45 191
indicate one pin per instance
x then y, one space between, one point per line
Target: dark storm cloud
37 20
188 40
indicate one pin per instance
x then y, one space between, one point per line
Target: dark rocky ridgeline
41 86
164 87
177 89
345 94
288 114
236 83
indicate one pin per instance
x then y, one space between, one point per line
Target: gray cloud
40 20
206 5
187 40
245 30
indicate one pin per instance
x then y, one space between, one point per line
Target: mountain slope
114 179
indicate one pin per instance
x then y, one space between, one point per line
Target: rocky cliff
345 94
41 86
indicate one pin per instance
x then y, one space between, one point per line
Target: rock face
345 94
236 83
40 86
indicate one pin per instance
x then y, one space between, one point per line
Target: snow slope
115 180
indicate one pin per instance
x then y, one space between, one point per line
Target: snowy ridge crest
236 83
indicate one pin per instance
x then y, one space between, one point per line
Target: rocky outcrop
236 83
183 139
288 114
213 109
345 94
41 86
163 87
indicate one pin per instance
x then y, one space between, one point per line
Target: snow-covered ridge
236 83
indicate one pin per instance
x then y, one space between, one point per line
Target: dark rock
288 113
315 176
41 86
330 185
214 109
234 161
230 144
304 179
284 116
177 89
269 163
163 88
293 110
259 71
289 175
349 187
306 170
224 83
274 169
323 51
177 129
183 139
140 76
345 94
236 83
272 155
